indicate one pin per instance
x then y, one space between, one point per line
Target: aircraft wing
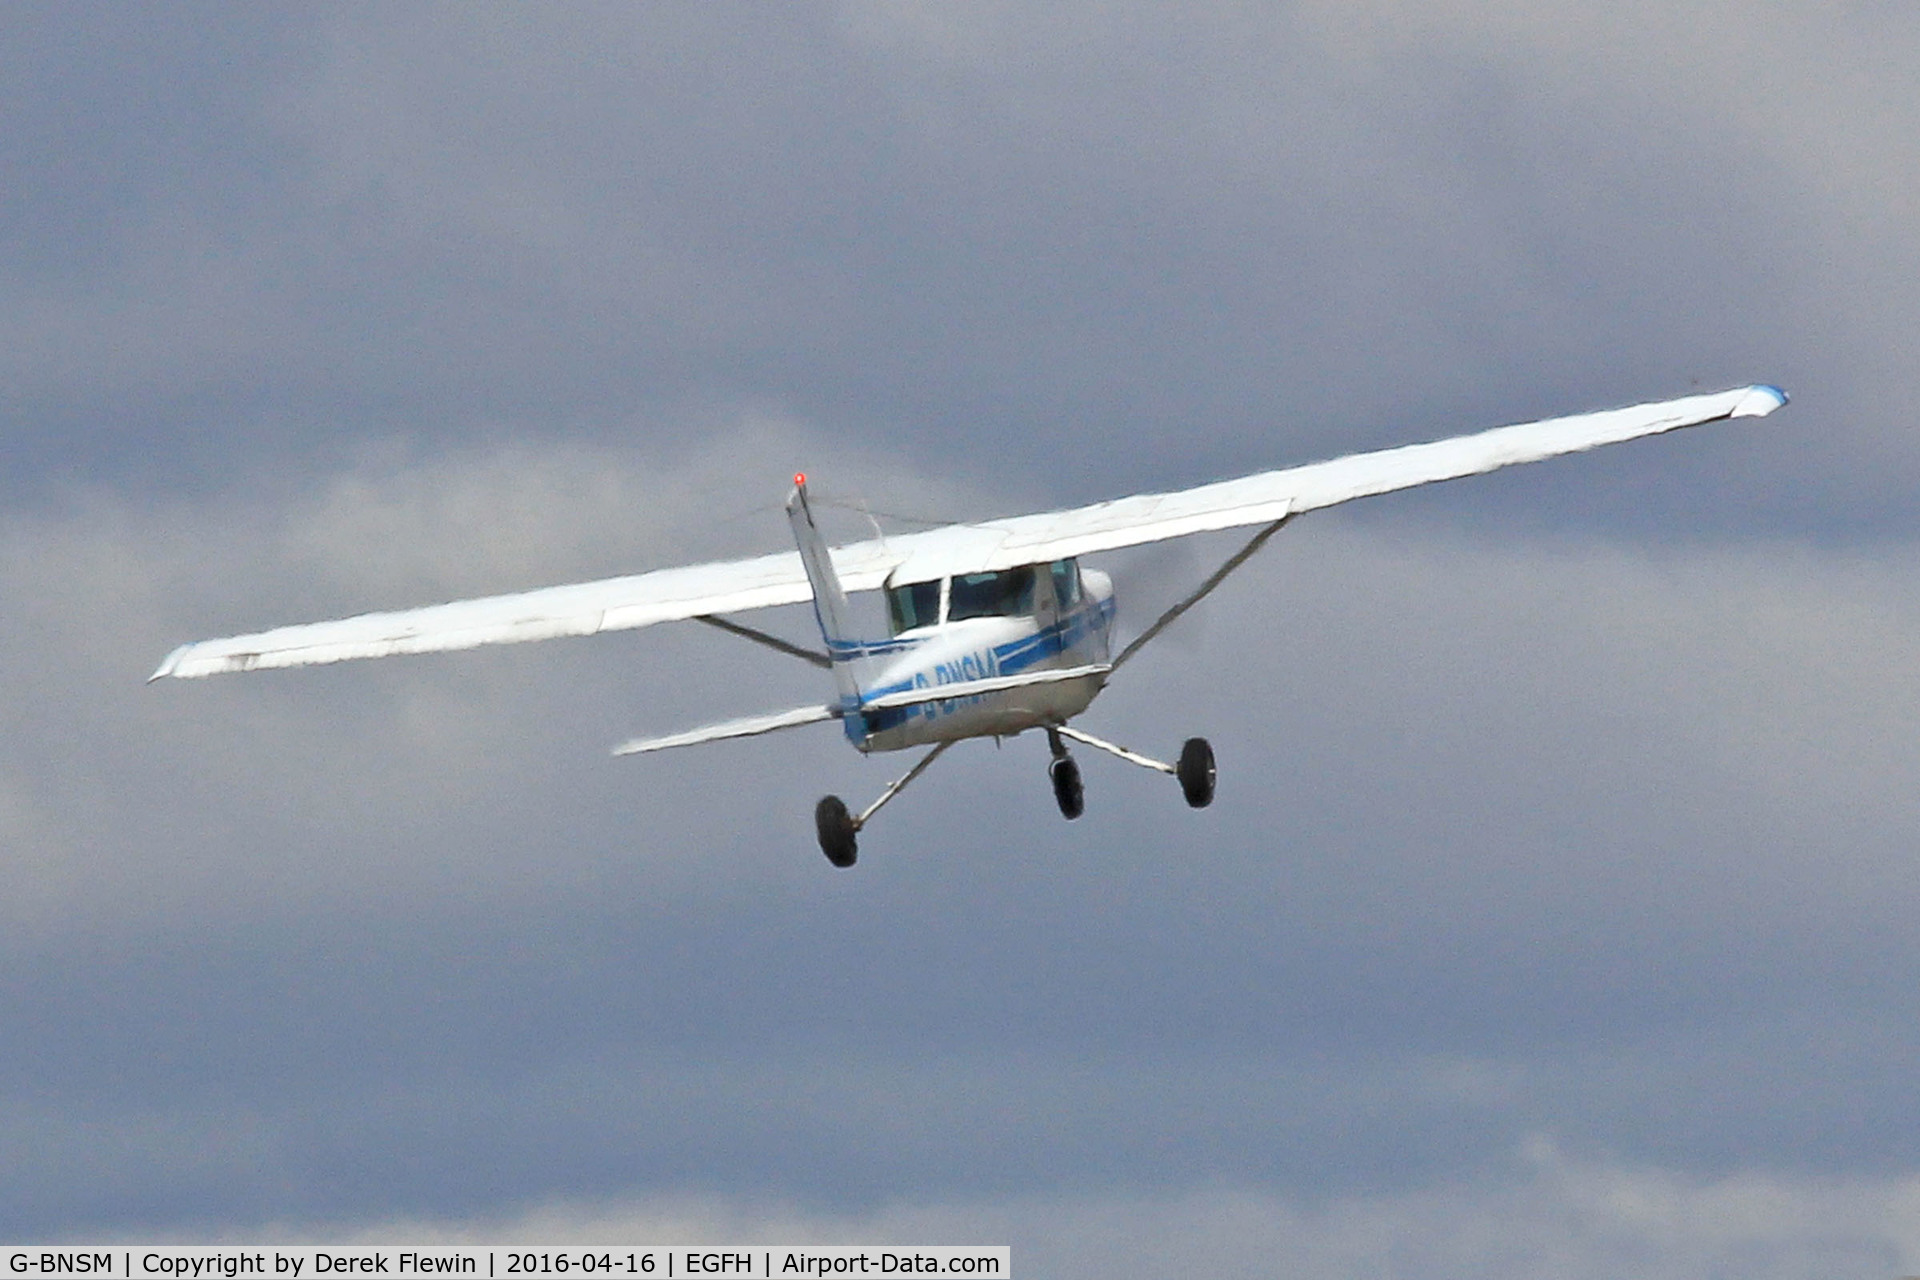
665 595
582 609
1270 495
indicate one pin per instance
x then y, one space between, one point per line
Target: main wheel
1195 772
835 827
1067 791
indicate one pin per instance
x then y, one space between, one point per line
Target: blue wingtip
1759 401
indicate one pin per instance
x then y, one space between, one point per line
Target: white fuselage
969 649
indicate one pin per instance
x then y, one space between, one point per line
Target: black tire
1067 791
1195 772
835 827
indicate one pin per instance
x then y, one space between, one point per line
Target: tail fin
830 605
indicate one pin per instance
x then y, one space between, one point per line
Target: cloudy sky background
1555 914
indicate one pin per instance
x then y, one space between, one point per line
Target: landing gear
837 831
839 828
1065 776
1067 791
1196 772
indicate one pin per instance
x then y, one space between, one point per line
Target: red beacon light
799 479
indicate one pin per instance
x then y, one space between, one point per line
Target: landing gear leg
1065 776
838 828
1195 770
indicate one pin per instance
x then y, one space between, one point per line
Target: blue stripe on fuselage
846 650
1008 659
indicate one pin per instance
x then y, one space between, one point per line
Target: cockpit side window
1066 584
914 604
1004 593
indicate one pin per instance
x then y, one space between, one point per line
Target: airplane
995 628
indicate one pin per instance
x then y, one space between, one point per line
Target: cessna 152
996 627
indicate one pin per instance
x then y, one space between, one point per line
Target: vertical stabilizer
830 605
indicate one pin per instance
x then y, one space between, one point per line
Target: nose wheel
1067 791
1064 773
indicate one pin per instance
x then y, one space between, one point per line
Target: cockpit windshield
1005 593
916 604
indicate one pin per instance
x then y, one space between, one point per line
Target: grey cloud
97 757
1540 1213
1583 838
1588 833
1258 235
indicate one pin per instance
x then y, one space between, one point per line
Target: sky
1554 914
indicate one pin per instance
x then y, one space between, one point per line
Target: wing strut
1217 577
760 637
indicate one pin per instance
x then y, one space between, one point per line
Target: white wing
1263 498
668 594
586 608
